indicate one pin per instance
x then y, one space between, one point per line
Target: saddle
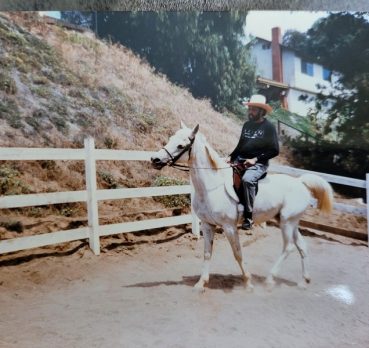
238 171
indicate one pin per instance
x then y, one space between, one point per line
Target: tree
201 51
82 18
340 42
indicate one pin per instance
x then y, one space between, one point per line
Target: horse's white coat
216 203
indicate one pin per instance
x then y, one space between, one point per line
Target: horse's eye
180 147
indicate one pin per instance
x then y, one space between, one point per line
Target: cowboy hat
259 101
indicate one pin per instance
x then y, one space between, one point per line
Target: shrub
173 201
40 80
43 91
110 143
9 111
15 226
7 84
108 180
68 209
329 157
33 122
10 184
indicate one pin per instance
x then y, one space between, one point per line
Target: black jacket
257 140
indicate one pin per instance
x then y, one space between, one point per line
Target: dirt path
143 298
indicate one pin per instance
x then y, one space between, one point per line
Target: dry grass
100 89
113 67
136 107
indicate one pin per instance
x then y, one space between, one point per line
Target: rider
258 143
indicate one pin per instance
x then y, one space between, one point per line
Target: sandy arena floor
141 296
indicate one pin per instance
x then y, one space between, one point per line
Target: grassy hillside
58 86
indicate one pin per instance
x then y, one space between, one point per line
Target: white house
283 75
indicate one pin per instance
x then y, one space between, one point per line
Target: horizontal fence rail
92 196
335 179
18 201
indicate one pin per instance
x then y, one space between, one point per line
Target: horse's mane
215 161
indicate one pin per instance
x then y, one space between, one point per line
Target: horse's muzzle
157 163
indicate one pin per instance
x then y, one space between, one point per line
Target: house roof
271 82
258 38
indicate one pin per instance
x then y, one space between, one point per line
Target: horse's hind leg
232 235
287 228
208 233
302 248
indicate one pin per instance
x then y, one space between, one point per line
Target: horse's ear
194 131
183 125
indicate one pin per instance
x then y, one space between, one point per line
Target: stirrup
247 224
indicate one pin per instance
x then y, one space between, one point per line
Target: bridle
173 160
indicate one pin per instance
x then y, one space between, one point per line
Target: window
307 68
327 74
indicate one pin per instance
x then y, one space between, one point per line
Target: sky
260 23
55 14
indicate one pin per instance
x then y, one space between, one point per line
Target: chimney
277 55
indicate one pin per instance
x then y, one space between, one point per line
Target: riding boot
247 221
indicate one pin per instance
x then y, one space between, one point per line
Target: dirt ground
139 294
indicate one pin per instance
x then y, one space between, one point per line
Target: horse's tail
321 190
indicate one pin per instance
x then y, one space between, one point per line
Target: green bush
173 201
329 157
108 180
7 84
10 184
9 111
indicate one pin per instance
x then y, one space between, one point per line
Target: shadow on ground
217 282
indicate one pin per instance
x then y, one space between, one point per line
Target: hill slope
58 86
61 85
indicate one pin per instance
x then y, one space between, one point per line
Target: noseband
173 160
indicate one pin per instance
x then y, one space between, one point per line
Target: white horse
216 203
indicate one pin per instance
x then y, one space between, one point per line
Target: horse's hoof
199 286
302 285
198 289
249 288
270 283
304 282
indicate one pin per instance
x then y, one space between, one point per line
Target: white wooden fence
91 195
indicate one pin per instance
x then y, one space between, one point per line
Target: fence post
195 219
92 207
367 205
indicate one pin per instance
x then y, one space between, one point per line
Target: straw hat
259 101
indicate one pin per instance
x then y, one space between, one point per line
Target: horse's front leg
208 233
233 238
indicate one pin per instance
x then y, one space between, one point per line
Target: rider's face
255 113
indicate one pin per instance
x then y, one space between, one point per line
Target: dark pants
249 181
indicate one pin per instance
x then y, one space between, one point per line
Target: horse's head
178 144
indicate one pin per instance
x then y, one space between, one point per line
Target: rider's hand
228 159
250 162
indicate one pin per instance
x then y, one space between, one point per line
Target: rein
183 167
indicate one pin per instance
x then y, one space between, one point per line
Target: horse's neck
204 174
